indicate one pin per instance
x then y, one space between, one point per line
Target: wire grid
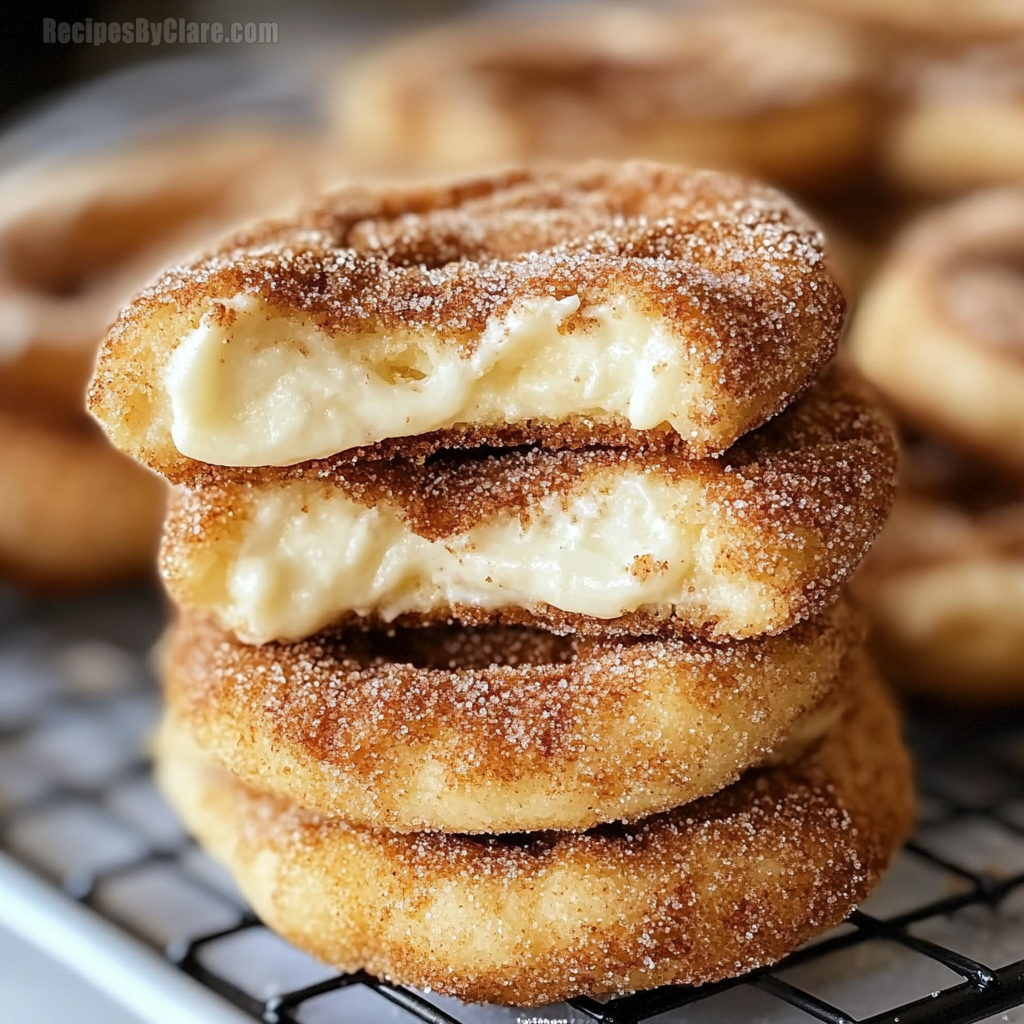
77 701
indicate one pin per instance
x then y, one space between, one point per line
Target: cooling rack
88 844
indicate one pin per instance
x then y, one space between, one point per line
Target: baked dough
958 121
944 584
594 304
74 512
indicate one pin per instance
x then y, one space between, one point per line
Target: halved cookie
595 304
599 541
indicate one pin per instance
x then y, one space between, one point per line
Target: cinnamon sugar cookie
937 19
79 238
74 512
944 584
502 729
958 122
941 331
709 890
598 541
775 94
596 304
76 241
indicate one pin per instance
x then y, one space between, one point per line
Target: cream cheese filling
305 555
273 390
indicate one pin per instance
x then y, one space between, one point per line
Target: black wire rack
77 701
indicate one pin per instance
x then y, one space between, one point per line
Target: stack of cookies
511 522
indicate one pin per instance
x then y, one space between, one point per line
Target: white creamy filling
272 390
307 555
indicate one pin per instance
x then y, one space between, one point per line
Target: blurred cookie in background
780 95
950 88
945 581
77 240
74 512
952 19
958 118
941 329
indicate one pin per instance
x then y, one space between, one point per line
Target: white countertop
35 987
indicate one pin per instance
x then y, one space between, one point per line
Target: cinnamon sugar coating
709 890
791 510
733 270
502 729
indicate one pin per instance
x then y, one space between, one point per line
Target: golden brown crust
706 891
939 332
733 268
74 512
500 729
776 94
792 507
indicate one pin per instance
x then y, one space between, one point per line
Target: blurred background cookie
783 96
77 240
80 238
941 329
955 19
74 512
958 118
945 581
